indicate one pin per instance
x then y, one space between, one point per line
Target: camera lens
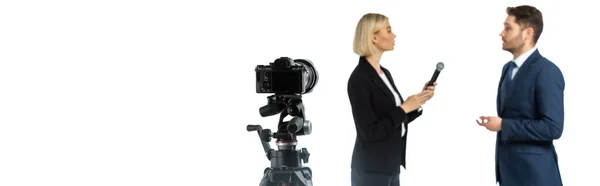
309 74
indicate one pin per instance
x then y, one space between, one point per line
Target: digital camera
286 76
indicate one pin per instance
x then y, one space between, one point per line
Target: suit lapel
366 66
499 101
389 76
518 79
381 85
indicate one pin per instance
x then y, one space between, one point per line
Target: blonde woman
381 115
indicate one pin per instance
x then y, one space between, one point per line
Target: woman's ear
374 38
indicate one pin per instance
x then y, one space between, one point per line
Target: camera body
286 76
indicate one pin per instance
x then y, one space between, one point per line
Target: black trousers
362 178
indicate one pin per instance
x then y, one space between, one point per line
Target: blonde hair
369 24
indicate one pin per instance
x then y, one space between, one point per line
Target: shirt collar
521 59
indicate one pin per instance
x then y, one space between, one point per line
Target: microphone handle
434 77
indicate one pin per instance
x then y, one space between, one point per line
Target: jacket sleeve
411 116
369 127
549 101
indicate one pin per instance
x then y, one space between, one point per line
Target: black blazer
379 144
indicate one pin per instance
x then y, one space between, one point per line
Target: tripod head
287 131
286 162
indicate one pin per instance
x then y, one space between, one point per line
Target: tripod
286 163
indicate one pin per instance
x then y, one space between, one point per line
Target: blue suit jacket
532 115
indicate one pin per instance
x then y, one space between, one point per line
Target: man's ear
529 33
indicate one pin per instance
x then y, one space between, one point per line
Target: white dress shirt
396 96
520 60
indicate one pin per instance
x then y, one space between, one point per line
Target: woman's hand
415 101
432 88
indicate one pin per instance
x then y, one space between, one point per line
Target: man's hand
492 123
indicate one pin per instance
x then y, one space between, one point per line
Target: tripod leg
288 177
266 177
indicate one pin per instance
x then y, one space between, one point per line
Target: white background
160 93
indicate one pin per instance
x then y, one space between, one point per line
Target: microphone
438 69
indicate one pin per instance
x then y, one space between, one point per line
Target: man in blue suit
529 105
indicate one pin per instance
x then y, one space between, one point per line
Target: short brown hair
528 16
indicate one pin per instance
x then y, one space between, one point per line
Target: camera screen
284 82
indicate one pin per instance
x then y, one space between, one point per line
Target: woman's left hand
432 88
429 88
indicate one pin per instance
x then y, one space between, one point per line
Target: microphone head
439 66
